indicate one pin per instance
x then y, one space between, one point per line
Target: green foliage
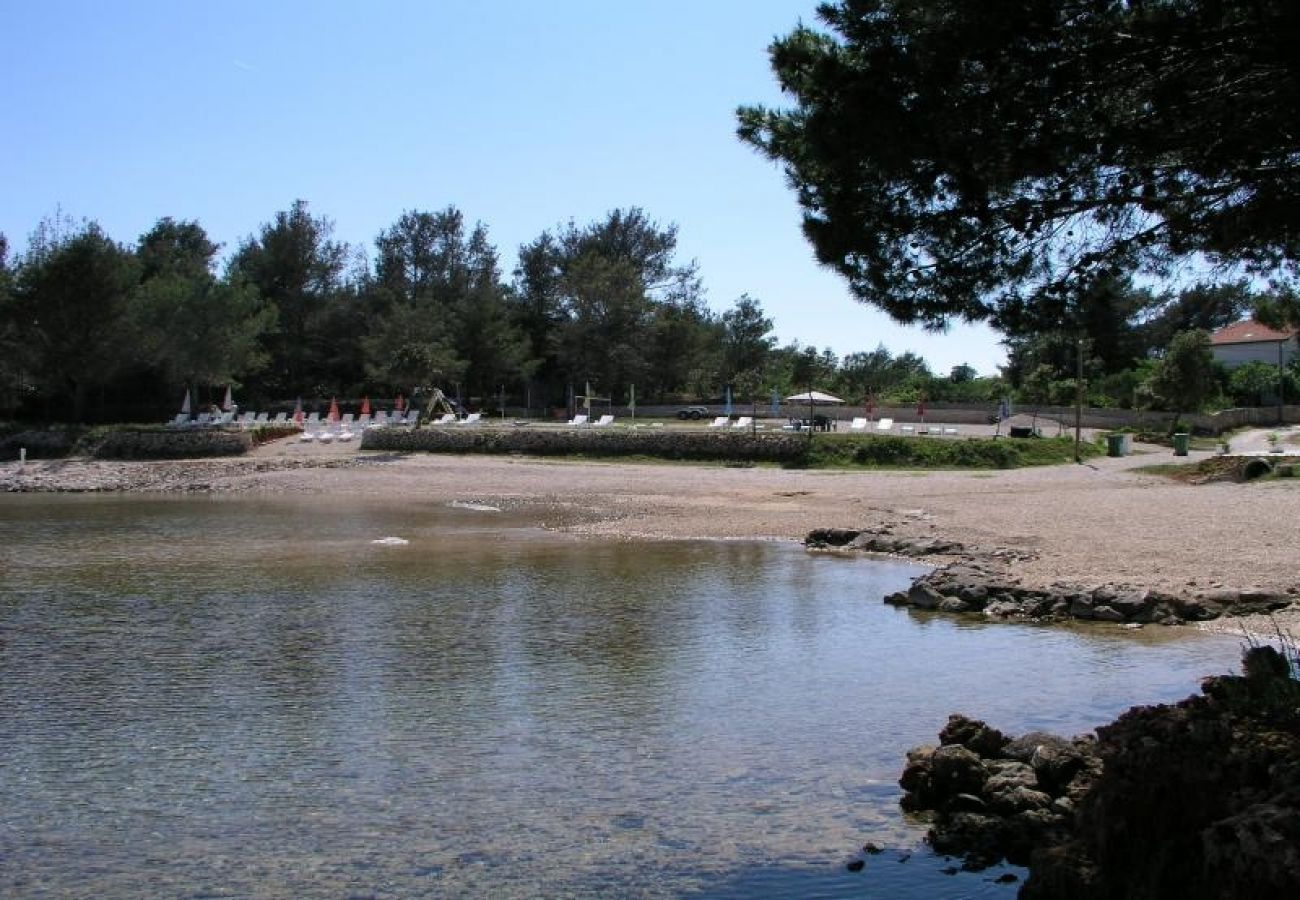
921 453
1254 383
70 296
1186 377
954 161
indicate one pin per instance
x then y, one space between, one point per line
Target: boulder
974 735
923 596
956 770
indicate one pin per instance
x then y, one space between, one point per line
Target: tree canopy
991 161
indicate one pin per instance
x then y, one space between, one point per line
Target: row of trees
91 328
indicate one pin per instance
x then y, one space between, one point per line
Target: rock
1107 614
974 735
1014 799
1081 607
898 598
1005 774
953 605
922 596
1055 763
855 865
1003 609
1023 748
956 770
1130 604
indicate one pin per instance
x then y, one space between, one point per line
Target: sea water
249 697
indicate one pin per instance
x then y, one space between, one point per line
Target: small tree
1186 377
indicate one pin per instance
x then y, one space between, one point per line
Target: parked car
693 412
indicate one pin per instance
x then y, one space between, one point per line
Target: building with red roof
1249 341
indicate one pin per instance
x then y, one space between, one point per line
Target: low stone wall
783 447
177 444
979 584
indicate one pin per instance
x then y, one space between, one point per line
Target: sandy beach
1101 521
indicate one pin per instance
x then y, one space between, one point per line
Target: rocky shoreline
1197 800
973 582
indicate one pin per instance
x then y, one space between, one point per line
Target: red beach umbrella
297 412
399 404
920 407
333 415
365 406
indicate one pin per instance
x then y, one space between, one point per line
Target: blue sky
523 115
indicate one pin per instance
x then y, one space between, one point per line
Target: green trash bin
1114 445
1180 445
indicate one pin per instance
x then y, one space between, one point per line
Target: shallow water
245 697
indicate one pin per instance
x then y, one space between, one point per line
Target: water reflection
244 696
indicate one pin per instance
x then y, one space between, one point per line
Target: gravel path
1100 521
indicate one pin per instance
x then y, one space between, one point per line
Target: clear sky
521 113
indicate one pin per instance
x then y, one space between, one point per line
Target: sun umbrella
297 412
813 397
333 415
365 406
399 403
726 408
229 403
776 403
185 404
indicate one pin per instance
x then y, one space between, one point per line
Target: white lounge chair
472 419
281 419
720 422
907 429
261 420
885 425
180 421
858 424
307 437
580 419
247 420
743 422
603 421
313 420
950 431
364 420
444 419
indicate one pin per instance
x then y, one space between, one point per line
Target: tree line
93 329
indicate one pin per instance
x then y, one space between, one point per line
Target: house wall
1233 355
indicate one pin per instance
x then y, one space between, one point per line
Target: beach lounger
472 419
720 422
885 425
364 420
743 422
444 419
180 421
261 420
950 431
603 421
247 420
858 424
281 419
313 420
579 419
907 429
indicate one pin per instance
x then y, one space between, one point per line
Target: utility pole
1078 406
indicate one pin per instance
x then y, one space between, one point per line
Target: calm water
216 697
